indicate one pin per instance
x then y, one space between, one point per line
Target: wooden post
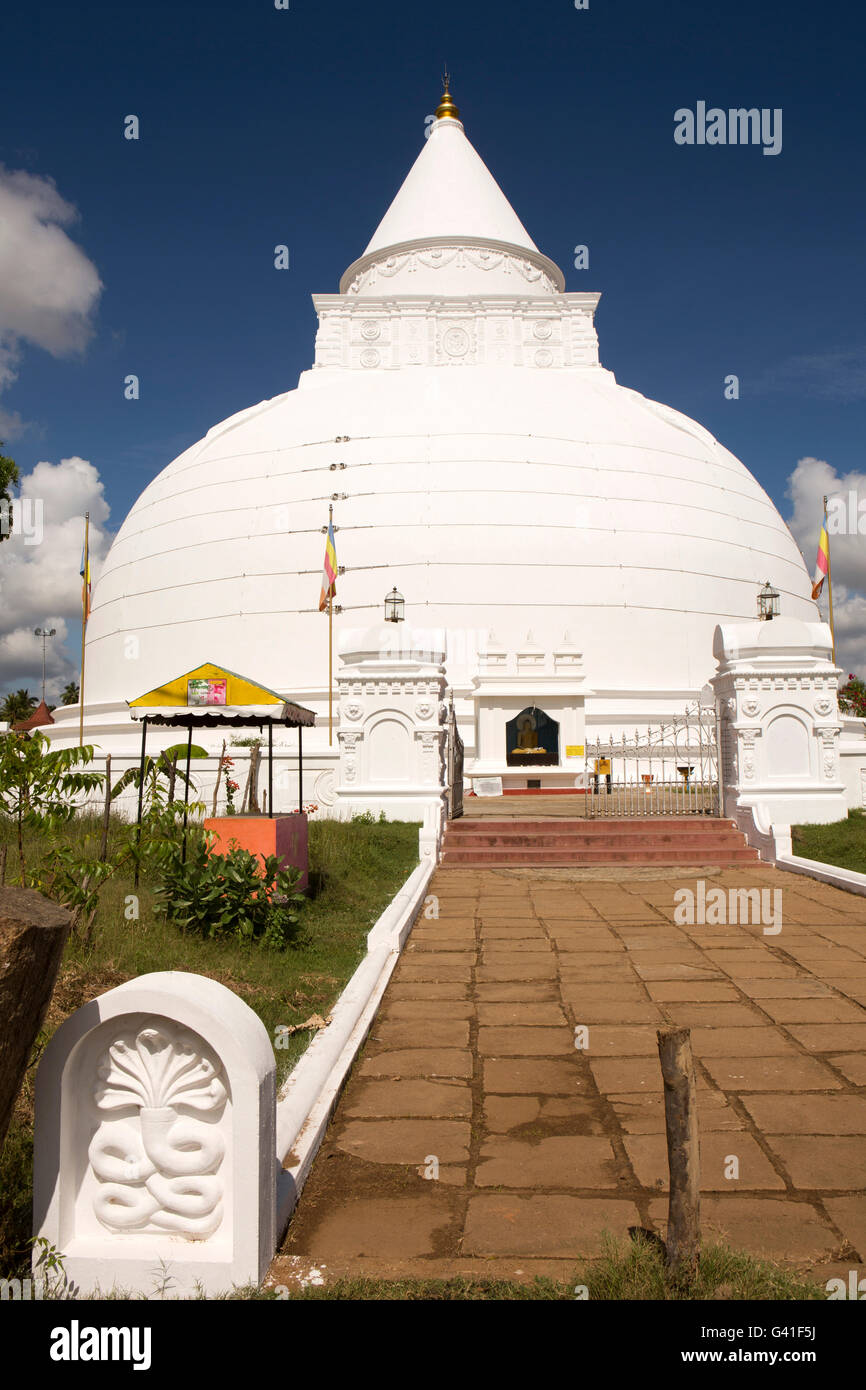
254 777
33 932
681 1123
4 850
172 775
216 790
103 848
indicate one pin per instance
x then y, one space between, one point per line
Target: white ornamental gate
669 769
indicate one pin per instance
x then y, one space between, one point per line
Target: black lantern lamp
394 606
768 602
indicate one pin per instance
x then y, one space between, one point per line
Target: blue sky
262 126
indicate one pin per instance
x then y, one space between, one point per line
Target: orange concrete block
285 836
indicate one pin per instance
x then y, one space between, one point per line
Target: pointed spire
446 110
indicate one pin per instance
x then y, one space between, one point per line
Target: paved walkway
471 1071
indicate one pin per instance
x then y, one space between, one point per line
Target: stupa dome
476 455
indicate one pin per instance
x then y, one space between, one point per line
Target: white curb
308 1097
847 879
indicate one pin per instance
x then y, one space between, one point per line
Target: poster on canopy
206 692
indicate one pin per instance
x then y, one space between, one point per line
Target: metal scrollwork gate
669 769
454 767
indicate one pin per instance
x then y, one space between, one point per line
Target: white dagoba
480 459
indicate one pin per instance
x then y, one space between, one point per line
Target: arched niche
787 749
389 750
532 739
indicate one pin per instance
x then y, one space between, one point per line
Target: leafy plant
38 786
49 1270
160 775
70 694
235 894
75 880
9 475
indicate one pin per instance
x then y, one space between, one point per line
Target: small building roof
41 715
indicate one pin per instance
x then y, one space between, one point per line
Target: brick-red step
660 841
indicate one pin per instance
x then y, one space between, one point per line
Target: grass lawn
843 842
355 870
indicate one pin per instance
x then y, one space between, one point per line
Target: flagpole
830 584
330 650
83 627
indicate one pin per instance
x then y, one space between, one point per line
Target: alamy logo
77 1343
737 126
16 1290
734 907
23 516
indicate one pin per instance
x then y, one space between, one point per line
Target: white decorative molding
455 258
488 330
325 791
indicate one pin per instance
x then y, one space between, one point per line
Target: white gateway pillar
776 688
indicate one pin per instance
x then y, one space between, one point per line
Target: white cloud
810 482
40 585
49 289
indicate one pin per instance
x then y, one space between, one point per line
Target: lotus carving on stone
159 1173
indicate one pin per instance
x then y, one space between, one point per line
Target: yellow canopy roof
239 690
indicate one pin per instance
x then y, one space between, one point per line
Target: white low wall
307 1099
774 844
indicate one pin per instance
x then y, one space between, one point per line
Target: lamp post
394 605
44 633
768 602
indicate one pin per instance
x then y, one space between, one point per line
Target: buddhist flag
822 564
85 581
329 577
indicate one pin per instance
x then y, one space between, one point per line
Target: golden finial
446 107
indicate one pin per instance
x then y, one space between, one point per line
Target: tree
19 704
37 786
70 694
8 477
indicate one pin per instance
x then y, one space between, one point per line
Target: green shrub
231 895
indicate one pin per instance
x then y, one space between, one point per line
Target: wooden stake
255 760
4 850
216 790
103 848
681 1123
172 776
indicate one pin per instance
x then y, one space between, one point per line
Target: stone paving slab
540 1145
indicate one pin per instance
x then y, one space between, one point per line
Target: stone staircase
656 840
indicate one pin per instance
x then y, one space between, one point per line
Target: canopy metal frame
291 717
